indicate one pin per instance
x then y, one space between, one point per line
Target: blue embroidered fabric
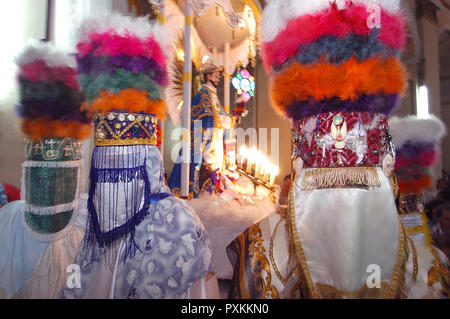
160 245
201 110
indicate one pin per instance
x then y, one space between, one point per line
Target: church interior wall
23 20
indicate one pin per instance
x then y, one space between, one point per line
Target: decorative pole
50 29
215 56
187 87
162 12
162 20
227 78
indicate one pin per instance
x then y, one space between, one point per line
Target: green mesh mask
50 185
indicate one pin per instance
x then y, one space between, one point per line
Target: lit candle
258 164
251 161
273 174
243 156
266 171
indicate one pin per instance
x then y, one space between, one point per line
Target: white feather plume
124 25
413 129
46 51
278 13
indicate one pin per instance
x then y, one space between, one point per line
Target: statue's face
214 78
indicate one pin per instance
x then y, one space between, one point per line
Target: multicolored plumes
50 98
123 64
323 55
416 141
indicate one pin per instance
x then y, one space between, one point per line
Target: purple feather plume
135 64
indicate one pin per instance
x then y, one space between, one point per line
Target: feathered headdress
333 56
335 71
123 64
52 117
416 141
50 98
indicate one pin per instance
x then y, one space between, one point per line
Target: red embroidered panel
342 140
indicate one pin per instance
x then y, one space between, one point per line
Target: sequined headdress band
116 128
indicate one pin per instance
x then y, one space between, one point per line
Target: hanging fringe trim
116 175
329 292
68 164
339 177
120 175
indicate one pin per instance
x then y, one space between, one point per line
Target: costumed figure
141 242
336 74
416 142
208 124
41 234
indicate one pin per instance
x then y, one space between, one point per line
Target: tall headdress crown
123 70
54 124
335 71
417 148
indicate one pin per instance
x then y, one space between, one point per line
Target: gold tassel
339 177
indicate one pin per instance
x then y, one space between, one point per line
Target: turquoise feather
116 82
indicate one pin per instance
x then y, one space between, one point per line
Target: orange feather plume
346 81
45 127
416 186
130 100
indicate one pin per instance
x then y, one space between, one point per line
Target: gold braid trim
308 291
394 185
396 287
243 284
342 176
329 292
262 274
416 265
272 258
